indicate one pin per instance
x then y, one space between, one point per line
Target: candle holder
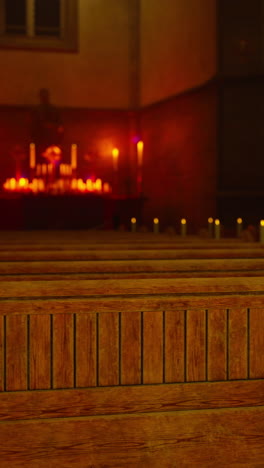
183 227
217 229
210 227
133 225
156 225
239 227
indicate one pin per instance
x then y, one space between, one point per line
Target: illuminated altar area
52 194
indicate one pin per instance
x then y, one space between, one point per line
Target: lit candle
261 231
44 169
74 156
115 154
106 187
74 184
23 183
81 185
13 183
239 226
40 185
217 229
32 156
183 227
89 185
7 184
133 224
156 225
35 185
210 227
98 185
140 147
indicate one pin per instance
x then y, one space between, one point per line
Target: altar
68 211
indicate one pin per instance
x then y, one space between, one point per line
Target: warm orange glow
7 184
32 156
140 146
133 220
106 187
13 183
217 222
183 221
89 185
40 185
239 221
210 220
156 220
22 182
74 184
115 154
262 222
98 185
44 169
74 156
81 185
34 185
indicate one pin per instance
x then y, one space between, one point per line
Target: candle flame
210 220
133 220
156 220
183 221
239 220
217 222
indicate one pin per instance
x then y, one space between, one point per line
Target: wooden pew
123 269
147 254
163 372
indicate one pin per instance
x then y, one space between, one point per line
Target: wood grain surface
16 352
130 399
256 343
28 289
149 254
224 437
40 352
126 370
86 350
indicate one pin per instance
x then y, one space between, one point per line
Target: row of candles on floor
38 185
214 227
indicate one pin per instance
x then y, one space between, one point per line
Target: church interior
131 233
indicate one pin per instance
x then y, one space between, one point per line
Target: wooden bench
123 269
163 372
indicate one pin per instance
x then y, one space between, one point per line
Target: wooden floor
130 350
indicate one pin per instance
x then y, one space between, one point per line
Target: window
41 24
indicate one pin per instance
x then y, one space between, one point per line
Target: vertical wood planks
40 352
174 346
131 348
2 351
63 353
152 347
16 352
195 346
238 355
217 340
256 343
86 365
108 348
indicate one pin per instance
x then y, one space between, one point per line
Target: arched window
41 24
